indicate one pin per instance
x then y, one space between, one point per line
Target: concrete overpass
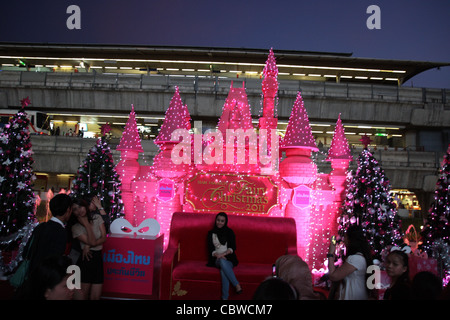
417 110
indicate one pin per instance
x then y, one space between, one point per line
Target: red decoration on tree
177 117
365 140
106 128
130 137
25 102
298 132
339 148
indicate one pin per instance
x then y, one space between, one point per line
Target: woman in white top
90 231
352 273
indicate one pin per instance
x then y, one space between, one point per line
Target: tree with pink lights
369 204
97 176
17 199
436 232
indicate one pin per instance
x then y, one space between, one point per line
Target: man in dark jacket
50 238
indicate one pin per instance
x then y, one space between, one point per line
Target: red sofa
259 242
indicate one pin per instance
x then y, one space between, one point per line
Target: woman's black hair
82 203
357 243
221 232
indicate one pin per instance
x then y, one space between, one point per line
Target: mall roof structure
205 61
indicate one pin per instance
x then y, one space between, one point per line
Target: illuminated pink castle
237 168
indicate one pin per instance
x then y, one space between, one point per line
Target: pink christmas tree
339 148
177 117
298 132
130 140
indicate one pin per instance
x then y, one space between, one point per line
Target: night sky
410 29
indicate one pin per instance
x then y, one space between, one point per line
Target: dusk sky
410 29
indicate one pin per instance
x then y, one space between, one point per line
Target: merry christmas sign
231 193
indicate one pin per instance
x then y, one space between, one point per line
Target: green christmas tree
97 176
437 222
369 204
17 199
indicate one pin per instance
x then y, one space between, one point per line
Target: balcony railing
220 85
389 157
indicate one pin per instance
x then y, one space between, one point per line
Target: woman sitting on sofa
222 247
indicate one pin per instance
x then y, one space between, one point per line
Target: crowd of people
73 236
350 279
78 228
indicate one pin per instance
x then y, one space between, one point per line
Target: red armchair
259 242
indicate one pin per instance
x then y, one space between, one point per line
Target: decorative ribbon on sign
148 227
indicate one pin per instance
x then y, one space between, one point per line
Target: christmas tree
369 204
17 199
97 176
436 225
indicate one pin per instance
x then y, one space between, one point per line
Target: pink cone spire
298 132
339 148
130 137
177 117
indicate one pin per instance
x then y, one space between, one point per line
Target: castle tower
128 166
340 156
299 171
268 120
269 89
235 116
165 165
298 143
